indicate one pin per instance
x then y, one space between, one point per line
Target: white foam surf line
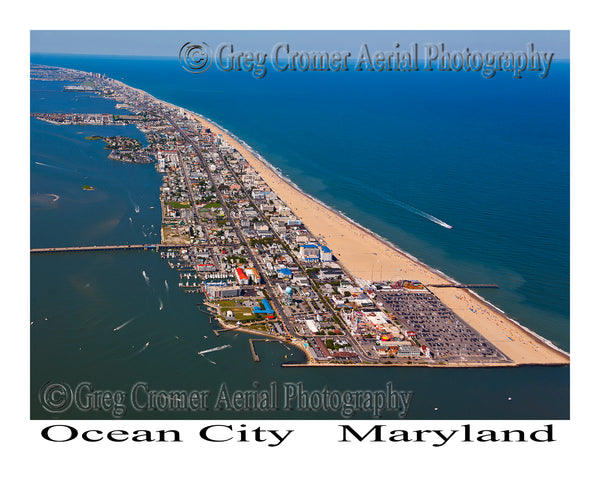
530 332
384 240
124 324
335 211
216 349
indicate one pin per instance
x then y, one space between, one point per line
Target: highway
359 349
268 287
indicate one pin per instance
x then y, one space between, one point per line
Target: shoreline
353 245
276 338
426 365
526 334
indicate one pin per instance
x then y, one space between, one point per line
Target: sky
165 43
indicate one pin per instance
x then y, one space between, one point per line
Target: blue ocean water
489 157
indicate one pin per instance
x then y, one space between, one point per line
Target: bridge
103 248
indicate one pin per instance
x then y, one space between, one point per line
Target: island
270 260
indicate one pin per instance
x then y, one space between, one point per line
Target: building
221 290
205 267
325 254
253 275
241 276
330 273
284 273
408 351
259 194
378 319
310 252
312 326
266 308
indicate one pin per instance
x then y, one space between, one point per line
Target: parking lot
445 333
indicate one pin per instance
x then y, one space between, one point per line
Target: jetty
251 341
221 330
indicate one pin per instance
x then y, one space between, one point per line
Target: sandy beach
367 257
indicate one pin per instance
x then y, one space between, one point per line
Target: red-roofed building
241 276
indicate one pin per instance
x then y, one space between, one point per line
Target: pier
251 341
103 248
471 285
221 330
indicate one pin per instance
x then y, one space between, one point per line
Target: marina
211 252
255 257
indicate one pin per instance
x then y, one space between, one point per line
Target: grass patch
227 303
178 205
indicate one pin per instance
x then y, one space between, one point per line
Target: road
358 347
268 287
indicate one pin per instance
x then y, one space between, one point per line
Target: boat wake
124 324
421 213
53 166
216 349
135 206
146 277
166 286
214 363
141 349
279 173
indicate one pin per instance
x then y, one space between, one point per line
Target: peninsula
272 260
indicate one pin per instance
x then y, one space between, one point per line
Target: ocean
393 151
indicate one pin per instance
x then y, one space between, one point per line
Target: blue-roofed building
310 252
284 273
266 308
326 255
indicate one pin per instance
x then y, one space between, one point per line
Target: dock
220 330
471 285
251 341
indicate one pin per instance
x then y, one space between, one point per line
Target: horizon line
133 55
